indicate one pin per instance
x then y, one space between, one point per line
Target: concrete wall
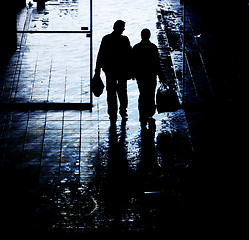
227 23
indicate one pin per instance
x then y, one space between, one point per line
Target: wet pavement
69 171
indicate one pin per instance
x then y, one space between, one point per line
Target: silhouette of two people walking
121 62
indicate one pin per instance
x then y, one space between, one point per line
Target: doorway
52 66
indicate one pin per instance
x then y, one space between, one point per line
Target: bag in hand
166 99
97 85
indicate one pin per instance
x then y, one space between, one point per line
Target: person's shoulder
137 45
125 38
107 39
153 45
107 36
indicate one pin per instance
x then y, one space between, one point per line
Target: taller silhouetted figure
114 58
146 67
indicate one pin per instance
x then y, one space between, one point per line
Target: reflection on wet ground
87 175
69 171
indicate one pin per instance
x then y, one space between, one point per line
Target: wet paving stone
85 163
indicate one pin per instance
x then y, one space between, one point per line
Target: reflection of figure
146 67
148 151
114 58
116 184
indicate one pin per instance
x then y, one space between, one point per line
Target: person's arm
159 69
128 58
100 56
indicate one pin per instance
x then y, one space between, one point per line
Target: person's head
119 26
145 34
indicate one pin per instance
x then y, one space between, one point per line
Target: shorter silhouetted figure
114 58
146 67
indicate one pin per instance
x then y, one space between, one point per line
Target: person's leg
146 101
123 97
142 103
151 93
112 105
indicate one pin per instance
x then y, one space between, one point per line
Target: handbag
97 85
166 99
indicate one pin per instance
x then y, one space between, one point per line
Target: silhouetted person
146 67
114 58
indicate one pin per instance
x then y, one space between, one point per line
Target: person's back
115 54
145 59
